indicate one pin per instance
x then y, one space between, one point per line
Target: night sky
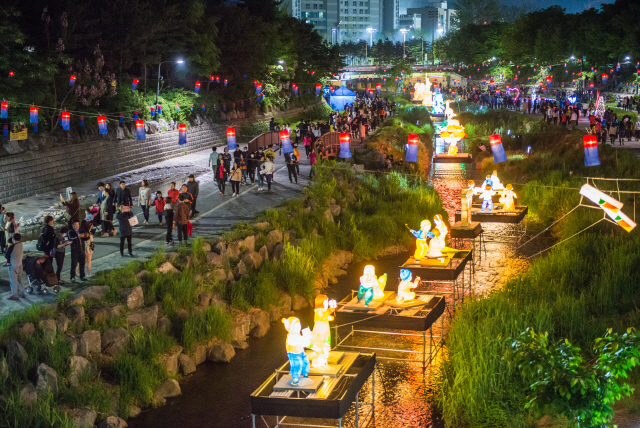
571 6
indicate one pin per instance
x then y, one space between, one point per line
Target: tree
477 11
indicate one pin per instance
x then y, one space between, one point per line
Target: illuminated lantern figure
508 199
435 246
368 282
121 119
231 140
486 196
134 84
466 202
404 288
448 111
140 135
65 120
496 147
609 205
226 82
495 181
152 111
345 146
182 134
297 340
378 291
412 149
4 110
421 239
285 142
378 88
439 222
318 88
258 88
197 88
321 334
590 143
72 80
81 121
102 125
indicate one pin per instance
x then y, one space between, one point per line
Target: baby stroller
40 273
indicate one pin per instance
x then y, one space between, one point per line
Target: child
159 203
168 214
60 244
173 193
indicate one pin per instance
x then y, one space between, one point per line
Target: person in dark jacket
181 217
221 174
193 187
48 236
73 208
123 195
252 165
168 214
124 228
61 243
226 157
77 252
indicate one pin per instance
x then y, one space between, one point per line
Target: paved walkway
217 214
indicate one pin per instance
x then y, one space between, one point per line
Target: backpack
40 244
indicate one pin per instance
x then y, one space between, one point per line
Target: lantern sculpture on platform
4 110
102 125
370 284
231 139
33 118
297 340
182 134
65 120
258 88
345 146
134 84
412 149
140 135
81 121
197 88
404 293
499 154
72 80
285 142
612 207
318 88
590 143
321 334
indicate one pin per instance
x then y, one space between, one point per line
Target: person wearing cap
193 187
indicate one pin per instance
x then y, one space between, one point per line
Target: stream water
217 395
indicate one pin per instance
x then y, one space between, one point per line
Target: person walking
123 195
3 223
16 252
193 187
236 177
168 216
296 161
291 167
184 191
226 157
181 218
243 169
221 174
159 203
173 193
77 252
259 173
213 158
48 237
312 163
268 169
73 208
107 210
124 228
144 200
61 243
252 164
87 244
613 133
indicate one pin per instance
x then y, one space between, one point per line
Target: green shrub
212 322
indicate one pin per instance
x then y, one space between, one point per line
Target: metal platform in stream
471 233
331 400
497 215
458 158
418 315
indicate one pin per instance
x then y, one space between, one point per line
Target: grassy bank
339 211
577 290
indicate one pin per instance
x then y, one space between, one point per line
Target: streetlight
179 61
371 31
404 32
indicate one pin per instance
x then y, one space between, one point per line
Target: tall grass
203 326
44 413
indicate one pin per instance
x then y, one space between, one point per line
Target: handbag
133 221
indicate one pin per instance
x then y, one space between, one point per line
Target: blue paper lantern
224 107
81 121
217 79
231 139
140 135
591 157
177 108
258 88
159 110
412 149
182 134
226 82
134 84
33 115
496 147
197 88
5 130
4 110
65 120
345 146
285 142
72 80
242 105
153 112
102 125
135 115
121 119
318 88
203 107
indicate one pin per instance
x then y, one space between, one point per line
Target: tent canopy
340 97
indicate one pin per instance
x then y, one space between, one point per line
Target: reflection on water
217 395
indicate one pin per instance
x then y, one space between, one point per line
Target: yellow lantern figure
451 134
421 239
509 203
404 288
442 228
466 203
323 314
495 181
448 111
297 340
435 247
